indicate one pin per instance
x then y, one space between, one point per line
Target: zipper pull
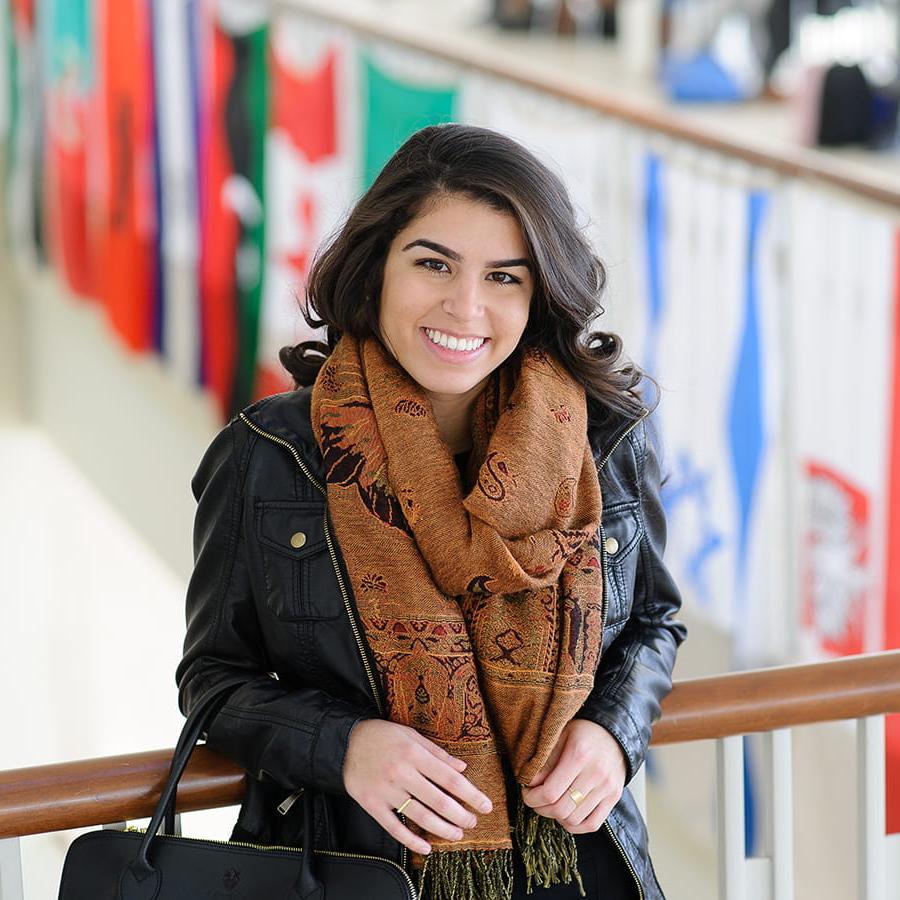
285 806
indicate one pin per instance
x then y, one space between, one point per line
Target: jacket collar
607 427
287 416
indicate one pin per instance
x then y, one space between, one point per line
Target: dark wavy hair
344 284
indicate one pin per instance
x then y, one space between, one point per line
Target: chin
436 383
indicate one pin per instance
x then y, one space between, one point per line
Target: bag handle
140 880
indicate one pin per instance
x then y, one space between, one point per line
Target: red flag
68 123
892 555
303 106
219 226
127 270
304 112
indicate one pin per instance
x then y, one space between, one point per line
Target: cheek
516 319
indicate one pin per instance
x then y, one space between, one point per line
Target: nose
464 300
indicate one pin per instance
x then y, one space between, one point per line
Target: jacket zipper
622 437
624 855
605 604
341 853
289 801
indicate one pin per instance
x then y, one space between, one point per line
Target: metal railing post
730 816
11 886
782 815
871 807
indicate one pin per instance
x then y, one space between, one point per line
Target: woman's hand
387 763
586 758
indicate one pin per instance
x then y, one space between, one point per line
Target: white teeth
453 343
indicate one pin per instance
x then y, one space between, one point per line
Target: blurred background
169 168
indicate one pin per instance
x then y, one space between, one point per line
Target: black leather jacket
273 610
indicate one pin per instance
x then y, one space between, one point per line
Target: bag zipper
351 616
285 806
339 853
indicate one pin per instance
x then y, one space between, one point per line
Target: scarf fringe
549 854
548 850
467 875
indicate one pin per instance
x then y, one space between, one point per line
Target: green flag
394 108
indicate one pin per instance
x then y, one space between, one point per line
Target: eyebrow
446 251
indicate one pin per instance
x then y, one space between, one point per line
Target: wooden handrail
780 697
795 162
119 788
110 789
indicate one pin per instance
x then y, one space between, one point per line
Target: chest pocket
621 533
298 571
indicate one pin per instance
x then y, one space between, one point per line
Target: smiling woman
410 565
452 320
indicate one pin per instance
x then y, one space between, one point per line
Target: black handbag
145 865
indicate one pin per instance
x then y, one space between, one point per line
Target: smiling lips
449 342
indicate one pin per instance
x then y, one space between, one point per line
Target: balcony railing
723 708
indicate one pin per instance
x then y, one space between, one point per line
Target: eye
512 278
426 264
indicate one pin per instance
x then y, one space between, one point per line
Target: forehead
461 222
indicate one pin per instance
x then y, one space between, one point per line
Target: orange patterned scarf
482 603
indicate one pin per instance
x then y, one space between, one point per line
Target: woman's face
455 295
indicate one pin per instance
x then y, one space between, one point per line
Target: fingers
549 765
455 784
387 764
444 805
423 815
575 814
438 751
388 819
568 766
595 819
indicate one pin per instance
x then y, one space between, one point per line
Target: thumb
549 766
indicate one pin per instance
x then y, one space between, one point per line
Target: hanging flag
680 318
836 563
6 71
842 255
174 39
403 92
234 113
892 554
311 176
127 262
68 84
24 138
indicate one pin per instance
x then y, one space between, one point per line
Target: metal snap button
611 545
298 539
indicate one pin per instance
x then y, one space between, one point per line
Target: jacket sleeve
635 672
292 735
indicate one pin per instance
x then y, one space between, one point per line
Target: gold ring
576 796
403 805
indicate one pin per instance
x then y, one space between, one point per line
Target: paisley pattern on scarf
482 607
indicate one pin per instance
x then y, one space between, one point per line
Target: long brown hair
344 283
